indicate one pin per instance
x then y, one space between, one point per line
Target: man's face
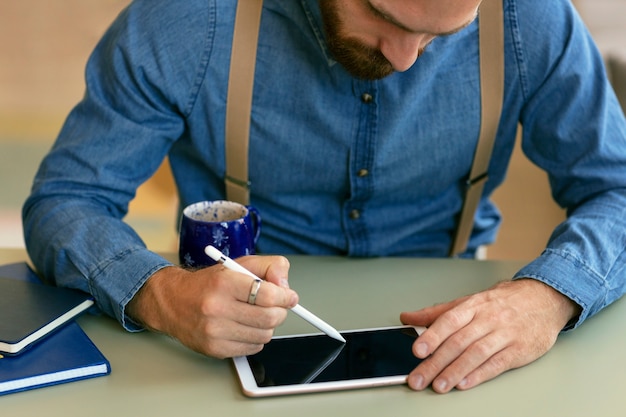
373 38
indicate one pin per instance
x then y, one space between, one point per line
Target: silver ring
254 290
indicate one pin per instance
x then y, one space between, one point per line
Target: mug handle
256 222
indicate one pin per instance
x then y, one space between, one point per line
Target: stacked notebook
40 344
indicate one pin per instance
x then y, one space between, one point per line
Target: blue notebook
31 310
65 356
19 270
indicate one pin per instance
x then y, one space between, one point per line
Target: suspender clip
238 182
476 180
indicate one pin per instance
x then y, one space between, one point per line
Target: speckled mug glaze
231 227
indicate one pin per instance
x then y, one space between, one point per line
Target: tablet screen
319 358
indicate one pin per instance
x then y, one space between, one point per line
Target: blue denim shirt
338 165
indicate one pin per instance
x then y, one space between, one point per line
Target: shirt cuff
118 282
570 276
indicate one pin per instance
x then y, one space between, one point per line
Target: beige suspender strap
491 34
239 101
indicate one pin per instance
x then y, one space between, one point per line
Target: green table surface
153 375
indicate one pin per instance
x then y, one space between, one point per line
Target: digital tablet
315 362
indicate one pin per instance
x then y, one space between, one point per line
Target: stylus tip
338 336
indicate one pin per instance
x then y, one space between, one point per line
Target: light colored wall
44 45
529 213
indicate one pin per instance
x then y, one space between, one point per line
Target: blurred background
44 45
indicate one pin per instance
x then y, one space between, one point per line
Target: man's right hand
207 310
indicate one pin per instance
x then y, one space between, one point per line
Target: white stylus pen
219 257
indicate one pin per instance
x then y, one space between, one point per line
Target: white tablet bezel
251 389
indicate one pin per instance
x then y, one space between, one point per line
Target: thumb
274 269
426 316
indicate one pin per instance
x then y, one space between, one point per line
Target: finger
241 349
426 316
269 309
245 331
460 354
271 295
258 317
478 353
223 349
494 366
511 357
463 351
241 286
274 269
226 338
441 329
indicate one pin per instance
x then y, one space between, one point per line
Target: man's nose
402 51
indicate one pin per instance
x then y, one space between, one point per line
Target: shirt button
355 214
363 172
366 98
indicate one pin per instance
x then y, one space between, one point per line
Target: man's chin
373 77
369 74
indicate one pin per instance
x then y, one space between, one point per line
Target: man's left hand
476 338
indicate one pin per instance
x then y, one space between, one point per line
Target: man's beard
358 59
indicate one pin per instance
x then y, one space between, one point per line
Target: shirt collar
314 16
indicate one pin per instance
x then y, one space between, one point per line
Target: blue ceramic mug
231 227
